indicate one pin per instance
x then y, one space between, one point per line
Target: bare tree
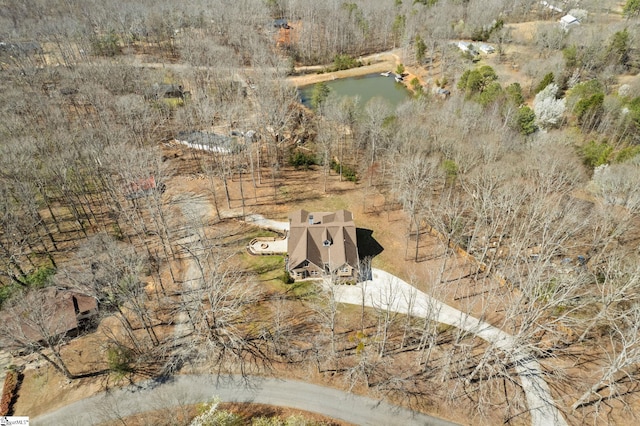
35 323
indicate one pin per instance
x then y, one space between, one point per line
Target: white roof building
467 47
550 6
463 45
486 48
568 20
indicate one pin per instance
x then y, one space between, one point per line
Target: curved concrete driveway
183 389
386 291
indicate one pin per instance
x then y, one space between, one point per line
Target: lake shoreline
313 78
365 87
376 63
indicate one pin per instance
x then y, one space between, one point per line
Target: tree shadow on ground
368 248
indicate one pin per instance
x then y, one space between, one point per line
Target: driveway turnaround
262 222
192 389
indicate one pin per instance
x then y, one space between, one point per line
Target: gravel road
191 389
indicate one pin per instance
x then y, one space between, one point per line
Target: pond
365 87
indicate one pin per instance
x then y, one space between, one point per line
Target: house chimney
310 219
76 307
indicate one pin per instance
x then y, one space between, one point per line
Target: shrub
514 94
626 154
345 62
40 277
9 389
119 360
589 108
474 82
106 45
211 415
416 86
7 291
586 101
421 48
490 94
348 172
319 94
631 8
546 80
442 83
451 170
302 159
525 121
286 278
596 154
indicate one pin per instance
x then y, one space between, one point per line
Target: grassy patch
242 240
301 289
265 265
173 102
268 269
7 291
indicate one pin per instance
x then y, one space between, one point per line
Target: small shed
486 48
551 7
144 187
568 21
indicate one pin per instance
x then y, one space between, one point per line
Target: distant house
64 312
466 47
463 45
284 31
21 48
209 141
281 23
322 244
550 6
441 92
568 21
486 48
144 187
167 91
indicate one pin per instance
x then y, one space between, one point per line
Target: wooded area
529 168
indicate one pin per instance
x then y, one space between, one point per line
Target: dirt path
379 62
